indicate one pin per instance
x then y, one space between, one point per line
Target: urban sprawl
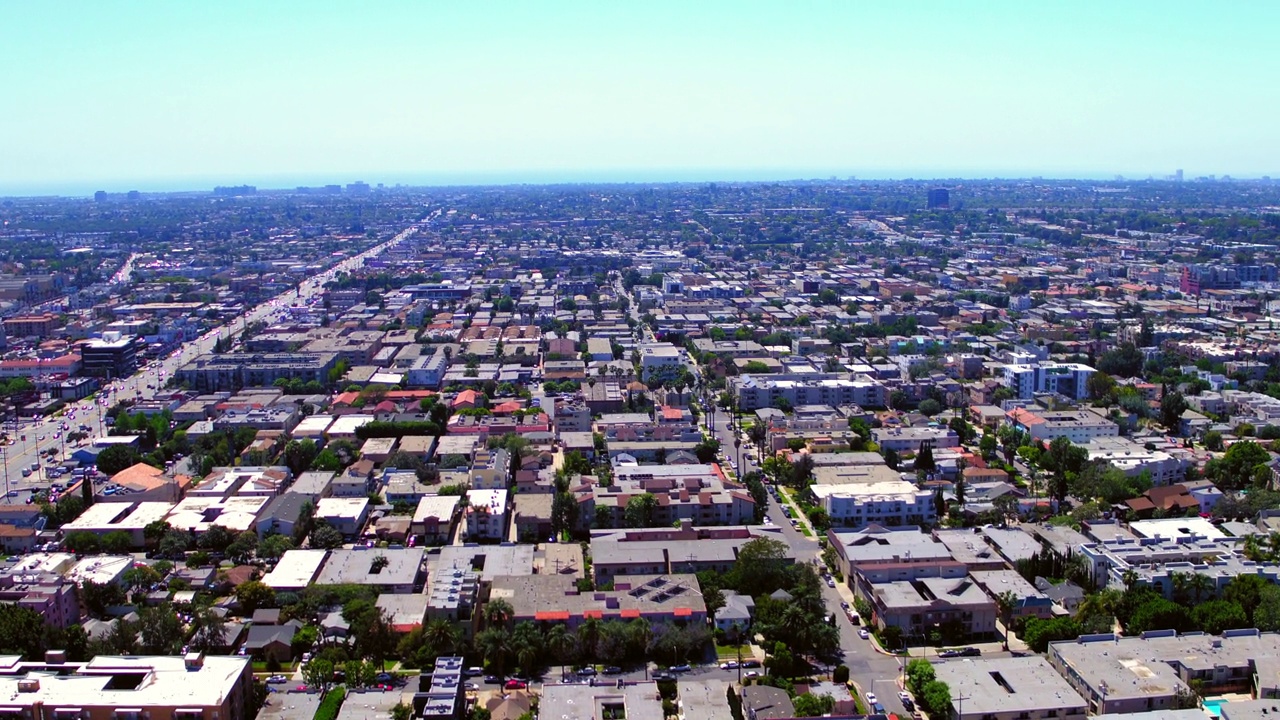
975 450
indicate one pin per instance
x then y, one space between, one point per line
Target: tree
919 674
161 630
1063 458
1156 613
924 459
82 542
761 567
117 542
1005 603
640 510
325 537
208 630
1215 616
174 544
21 631
1124 361
216 538
1172 405
495 644
1100 386
318 673
935 699
273 546
242 548
930 407
810 705
1213 441
1038 633
1236 468
253 595
299 454
140 576
115 458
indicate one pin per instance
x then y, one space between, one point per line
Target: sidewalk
787 500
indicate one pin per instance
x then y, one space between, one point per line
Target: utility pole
960 707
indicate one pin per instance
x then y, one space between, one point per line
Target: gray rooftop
1007 686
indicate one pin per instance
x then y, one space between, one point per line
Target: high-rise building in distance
939 198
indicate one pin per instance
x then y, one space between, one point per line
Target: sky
120 95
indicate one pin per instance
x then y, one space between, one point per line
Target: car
492 679
751 673
277 680
862 633
844 605
877 709
613 670
660 675
303 688
750 663
871 698
831 582
473 672
586 672
384 677
731 665
680 668
514 684
905 697
472 687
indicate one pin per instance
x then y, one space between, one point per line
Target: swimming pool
1214 707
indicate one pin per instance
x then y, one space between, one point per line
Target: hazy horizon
168 97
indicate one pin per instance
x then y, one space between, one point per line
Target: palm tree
588 636
1180 582
1129 578
495 644
498 612
1201 585
559 642
527 643
441 635
1005 603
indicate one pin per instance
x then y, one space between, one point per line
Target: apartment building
753 392
895 502
1068 379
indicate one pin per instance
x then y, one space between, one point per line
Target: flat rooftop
296 569
356 566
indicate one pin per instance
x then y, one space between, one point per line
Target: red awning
552 615
630 613
598 614
683 612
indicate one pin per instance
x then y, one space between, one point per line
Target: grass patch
331 704
730 652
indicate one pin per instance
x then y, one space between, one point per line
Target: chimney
55 656
29 685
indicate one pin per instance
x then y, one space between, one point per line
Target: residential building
956 605
1013 688
232 371
909 439
387 569
554 598
347 515
895 502
295 570
616 554
129 688
698 493
753 392
486 514
1067 379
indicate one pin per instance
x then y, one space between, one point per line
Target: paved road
40 434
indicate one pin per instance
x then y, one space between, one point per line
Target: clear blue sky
174 95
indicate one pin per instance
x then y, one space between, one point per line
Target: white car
731 665
871 698
862 633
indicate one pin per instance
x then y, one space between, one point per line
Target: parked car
277 680
492 679
384 677
731 665
680 668
862 633
613 670
515 685
871 698
907 702
586 672
751 673
750 663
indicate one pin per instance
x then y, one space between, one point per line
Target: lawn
730 652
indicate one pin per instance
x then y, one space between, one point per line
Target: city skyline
158 97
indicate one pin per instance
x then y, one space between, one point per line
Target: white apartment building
486 513
1134 459
753 392
889 503
1069 379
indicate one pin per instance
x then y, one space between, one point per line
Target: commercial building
232 371
1014 688
237 513
130 517
194 687
111 356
